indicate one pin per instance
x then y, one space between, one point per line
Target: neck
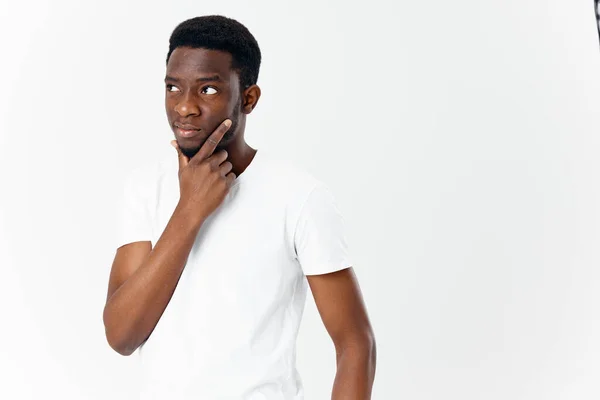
240 155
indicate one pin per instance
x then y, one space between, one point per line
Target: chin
190 152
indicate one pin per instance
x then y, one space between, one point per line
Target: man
217 246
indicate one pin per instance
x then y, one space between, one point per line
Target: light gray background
460 138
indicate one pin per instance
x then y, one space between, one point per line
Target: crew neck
172 165
244 175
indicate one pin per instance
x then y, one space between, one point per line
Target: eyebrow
211 78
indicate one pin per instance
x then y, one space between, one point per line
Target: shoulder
145 177
298 190
290 178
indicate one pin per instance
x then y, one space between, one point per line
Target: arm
341 307
143 280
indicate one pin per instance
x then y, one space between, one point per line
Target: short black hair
216 32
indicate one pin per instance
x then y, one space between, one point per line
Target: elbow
373 352
359 353
369 347
119 347
116 338
359 346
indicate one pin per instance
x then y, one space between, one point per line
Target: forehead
187 62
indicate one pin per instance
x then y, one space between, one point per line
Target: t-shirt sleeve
319 238
133 222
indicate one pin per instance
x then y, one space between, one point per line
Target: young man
217 245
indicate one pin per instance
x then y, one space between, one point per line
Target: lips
186 127
186 130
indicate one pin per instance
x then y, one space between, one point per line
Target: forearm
355 371
134 309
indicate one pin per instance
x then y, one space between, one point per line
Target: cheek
171 114
218 109
235 106
169 106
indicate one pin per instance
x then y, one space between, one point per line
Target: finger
230 178
226 168
218 158
183 160
211 143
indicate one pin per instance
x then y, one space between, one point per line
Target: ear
250 98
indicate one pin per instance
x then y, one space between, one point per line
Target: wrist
190 213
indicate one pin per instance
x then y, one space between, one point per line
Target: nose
187 106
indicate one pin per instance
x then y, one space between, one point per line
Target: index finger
211 143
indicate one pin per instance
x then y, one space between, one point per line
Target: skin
202 90
207 102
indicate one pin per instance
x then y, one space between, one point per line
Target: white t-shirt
229 331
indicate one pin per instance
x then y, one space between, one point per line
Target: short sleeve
319 238
133 223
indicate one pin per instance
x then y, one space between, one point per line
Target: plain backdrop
459 137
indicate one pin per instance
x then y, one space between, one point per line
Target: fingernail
227 123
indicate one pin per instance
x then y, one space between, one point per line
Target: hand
205 179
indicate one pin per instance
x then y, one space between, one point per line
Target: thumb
183 160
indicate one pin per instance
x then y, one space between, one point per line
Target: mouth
186 131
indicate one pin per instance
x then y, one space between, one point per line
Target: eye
209 90
172 88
